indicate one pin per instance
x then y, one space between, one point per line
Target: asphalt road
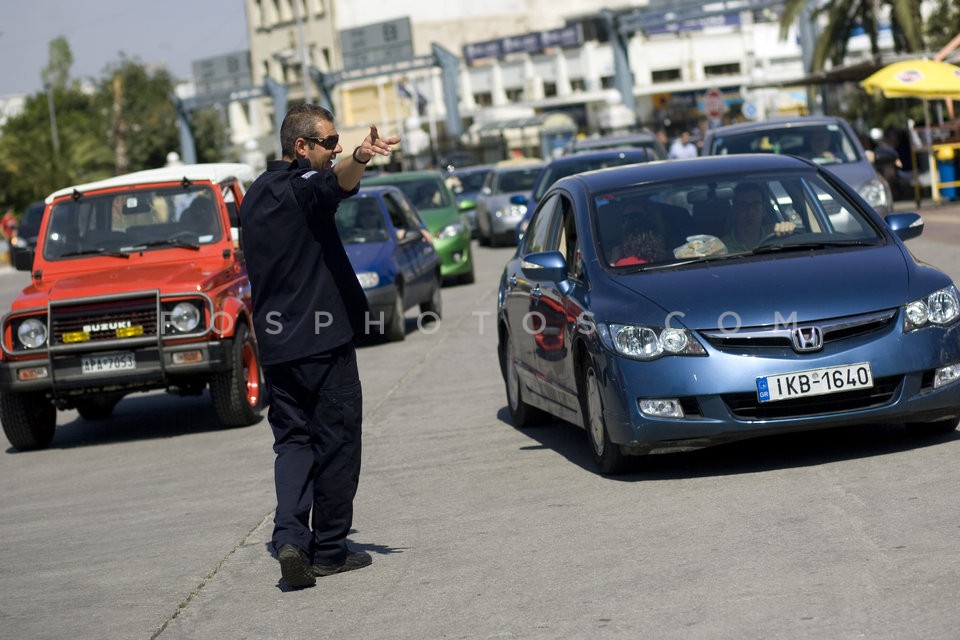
155 524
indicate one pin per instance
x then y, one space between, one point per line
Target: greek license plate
814 382
106 364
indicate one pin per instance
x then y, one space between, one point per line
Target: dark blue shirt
306 297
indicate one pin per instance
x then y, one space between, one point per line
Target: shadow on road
140 417
766 453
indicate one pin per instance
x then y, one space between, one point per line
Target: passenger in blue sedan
643 236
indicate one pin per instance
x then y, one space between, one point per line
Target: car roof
777 123
402 176
474 168
615 177
214 172
602 154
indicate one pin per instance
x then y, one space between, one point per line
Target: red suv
138 283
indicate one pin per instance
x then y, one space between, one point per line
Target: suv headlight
32 333
939 308
184 317
649 343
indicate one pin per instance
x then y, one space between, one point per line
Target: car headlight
512 211
452 230
368 279
32 333
875 194
649 343
184 317
939 308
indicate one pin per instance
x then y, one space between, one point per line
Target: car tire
482 238
470 277
237 393
396 328
29 420
521 414
607 455
938 428
97 408
434 305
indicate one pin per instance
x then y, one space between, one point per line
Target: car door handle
536 293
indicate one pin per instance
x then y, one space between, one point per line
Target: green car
445 219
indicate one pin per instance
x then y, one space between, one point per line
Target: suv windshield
118 223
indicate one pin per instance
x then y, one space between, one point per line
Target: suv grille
101 320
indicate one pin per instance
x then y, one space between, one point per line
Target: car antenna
185 183
76 195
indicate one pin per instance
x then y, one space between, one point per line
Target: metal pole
301 44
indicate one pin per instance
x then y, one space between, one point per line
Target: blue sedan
391 251
670 306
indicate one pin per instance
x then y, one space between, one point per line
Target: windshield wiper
810 244
113 253
170 242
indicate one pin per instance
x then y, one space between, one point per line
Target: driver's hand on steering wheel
784 228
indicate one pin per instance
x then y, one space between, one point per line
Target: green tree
943 24
843 16
124 122
57 72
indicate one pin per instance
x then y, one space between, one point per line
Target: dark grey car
829 141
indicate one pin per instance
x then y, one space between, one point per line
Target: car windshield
823 143
693 220
360 220
29 225
471 181
511 180
120 223
425 194
556 170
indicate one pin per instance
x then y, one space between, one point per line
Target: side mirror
519 199
548 266
23 260
467 204
905 225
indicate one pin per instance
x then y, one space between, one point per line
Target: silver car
502 202
829 141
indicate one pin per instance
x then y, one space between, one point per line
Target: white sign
713 104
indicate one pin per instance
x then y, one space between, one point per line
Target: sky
171 32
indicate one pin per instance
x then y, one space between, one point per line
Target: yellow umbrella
921 78
930 79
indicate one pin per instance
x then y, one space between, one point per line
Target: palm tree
844 15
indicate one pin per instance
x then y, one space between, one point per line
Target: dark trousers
315 413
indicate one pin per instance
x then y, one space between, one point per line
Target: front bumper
154 368
455 256
719 393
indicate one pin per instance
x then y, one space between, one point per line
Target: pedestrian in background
682 147
308 308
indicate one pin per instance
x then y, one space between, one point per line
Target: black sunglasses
327 142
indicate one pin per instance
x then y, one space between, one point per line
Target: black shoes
355 560
295 567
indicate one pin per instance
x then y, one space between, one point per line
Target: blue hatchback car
391 251
670 306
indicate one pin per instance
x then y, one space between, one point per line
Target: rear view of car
827 140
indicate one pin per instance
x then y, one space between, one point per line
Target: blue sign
533 42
